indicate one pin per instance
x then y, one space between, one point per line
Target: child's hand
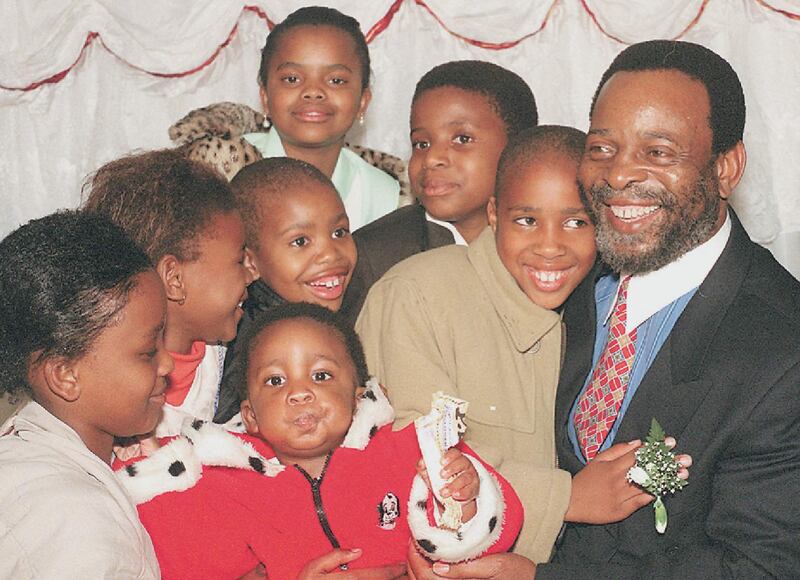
331 563
133 447
465 485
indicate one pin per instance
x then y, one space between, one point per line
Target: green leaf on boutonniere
656 471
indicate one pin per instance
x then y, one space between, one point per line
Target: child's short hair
527 146
507 93
316 16
161 199
267 180
296 310
63 280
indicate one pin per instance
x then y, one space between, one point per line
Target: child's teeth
543 276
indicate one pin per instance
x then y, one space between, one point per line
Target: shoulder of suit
395 224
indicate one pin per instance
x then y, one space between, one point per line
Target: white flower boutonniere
656 471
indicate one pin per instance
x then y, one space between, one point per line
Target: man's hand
497 566
601 493
329 565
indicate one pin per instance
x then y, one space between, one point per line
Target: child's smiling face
544 236
305 251
456 137
301 384
313 93
122 376
216 281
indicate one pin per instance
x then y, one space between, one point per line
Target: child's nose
550 243
437 154
300 396
313 90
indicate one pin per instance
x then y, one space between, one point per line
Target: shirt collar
270 145
525 321
648 293
459 239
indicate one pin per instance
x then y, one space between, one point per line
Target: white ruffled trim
373 411
474 538
178 465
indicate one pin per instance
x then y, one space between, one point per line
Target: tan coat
453 319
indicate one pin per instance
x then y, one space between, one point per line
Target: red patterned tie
599 404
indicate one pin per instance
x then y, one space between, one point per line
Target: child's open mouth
328 287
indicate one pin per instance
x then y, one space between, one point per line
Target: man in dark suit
701 327
714 319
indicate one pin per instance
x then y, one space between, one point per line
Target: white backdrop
85 81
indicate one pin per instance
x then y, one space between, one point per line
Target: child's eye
319 376
340 233
575 223
525 221
290 79
299 242
150 355
275 381
463 139
336 81
419 144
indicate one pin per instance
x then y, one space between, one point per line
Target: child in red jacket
337 475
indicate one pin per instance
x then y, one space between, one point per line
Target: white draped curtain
85 81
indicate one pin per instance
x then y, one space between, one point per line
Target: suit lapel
676 383
580 326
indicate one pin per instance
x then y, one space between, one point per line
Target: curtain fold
85 81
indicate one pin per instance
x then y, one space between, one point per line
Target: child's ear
249 417
491 213
61 377
250 264
262 95
366 97
171 273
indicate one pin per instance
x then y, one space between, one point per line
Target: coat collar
525 322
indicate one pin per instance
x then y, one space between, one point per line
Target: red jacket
232 518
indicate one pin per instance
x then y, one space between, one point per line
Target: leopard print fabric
213 135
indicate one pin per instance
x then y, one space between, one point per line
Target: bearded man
696 326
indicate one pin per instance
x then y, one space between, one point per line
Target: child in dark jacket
462 115
337 475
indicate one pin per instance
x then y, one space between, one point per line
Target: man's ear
366 97
250 265
491 213
249 417
730 168
262 96
61 377
171 273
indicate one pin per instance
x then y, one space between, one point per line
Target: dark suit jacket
385 242
726 384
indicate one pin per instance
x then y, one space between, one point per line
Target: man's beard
662 243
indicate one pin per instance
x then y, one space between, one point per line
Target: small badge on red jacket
388 511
